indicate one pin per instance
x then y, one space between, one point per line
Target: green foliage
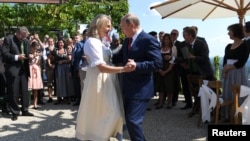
44 17
216 64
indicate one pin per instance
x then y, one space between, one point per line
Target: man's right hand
21 57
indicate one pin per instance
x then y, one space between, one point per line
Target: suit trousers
185 85
134 114
76 83
18 87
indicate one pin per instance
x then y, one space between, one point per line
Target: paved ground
57 123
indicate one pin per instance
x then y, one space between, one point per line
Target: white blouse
93 49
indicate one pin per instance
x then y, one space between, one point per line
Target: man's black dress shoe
26 113
186 107
14 117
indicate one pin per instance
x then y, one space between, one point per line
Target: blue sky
214 30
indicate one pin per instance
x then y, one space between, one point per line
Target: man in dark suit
198 37
247 34
138 88
16 53
199 63
182 64
177 45
3 95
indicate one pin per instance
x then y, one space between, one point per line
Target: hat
115 36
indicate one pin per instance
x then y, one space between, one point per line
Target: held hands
130 66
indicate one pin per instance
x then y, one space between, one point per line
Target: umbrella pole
241 14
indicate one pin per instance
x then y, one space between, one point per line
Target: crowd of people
111 81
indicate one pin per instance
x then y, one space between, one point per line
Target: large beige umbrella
203 9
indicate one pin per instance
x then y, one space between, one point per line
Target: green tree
216 64
44 17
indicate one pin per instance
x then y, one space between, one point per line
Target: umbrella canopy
203 9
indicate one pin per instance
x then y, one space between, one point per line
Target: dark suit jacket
202 39
146 53
248 45
201 53
11 47
180 60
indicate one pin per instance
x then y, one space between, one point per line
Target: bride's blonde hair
98 22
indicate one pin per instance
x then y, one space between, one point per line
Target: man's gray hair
23 29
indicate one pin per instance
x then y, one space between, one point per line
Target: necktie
129 42
22 48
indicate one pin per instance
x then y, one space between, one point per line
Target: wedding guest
35 82
64 82
100 114
50 68
177 46
78 73
3 95
16 53
246 30
138 86
199 63
167 73
234 64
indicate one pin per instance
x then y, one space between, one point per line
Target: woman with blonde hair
100 116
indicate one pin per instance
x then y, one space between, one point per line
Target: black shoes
50 100
26 113
14 117
186 107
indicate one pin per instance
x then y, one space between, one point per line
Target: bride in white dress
100 115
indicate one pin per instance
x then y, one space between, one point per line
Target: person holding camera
16 54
